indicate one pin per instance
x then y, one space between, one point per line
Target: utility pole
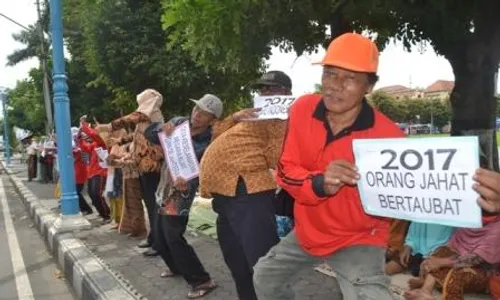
71 219
43 60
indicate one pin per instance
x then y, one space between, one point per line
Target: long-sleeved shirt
245 149
147 156
326 224
80 167
166 193
94 168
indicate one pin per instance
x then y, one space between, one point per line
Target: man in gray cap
174 199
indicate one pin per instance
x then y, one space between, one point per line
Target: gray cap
211 104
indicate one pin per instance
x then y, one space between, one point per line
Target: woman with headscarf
148 158
463 266
132 219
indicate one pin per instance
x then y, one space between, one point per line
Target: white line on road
23 286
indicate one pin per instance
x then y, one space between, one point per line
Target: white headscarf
150 102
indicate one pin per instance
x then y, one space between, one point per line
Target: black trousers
96 187
84 206
175 250
246 230
149 184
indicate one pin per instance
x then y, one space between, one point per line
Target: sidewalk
120 253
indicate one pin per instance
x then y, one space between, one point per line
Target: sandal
202 290
168 274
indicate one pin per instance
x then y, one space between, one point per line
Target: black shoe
144 244
151 253
106 221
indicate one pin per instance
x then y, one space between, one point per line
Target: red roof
395 89
440 86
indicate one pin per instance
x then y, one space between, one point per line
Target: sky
396 66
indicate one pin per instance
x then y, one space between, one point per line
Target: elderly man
176 197
235 171
317 168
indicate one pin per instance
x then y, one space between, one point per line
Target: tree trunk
475 64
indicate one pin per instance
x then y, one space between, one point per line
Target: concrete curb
90 277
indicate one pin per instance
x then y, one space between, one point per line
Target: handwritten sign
102 154
273 107
426 180
179 153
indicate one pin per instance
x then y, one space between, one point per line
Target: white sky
396 66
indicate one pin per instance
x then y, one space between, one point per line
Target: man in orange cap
317 168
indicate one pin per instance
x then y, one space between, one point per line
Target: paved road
28 271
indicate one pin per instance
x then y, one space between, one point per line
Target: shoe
106 221
150 253
86 213
144 244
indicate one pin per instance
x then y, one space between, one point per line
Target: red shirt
93 168
80 167
325 225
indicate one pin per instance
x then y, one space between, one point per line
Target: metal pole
6 129
69 199
3 98
43 60
432 119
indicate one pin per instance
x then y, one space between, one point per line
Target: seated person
422 239
463 266
397 235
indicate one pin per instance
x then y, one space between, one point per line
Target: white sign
102 154
273 107
427 180
179 152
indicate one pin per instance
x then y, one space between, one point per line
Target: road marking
23 284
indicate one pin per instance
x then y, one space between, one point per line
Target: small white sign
273 107
102 154
427 180
179 153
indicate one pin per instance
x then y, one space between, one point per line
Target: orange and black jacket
326 224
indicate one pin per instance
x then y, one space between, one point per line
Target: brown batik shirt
247 150
147 156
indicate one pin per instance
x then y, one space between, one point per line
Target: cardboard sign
179 153
273 107
427 180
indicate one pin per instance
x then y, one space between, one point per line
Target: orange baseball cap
354 52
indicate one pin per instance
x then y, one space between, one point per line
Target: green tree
396 110
31 40
122 46
238 35
26 104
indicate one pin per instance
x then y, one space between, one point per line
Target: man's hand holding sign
488 187
424 180
179 153
337 174
273 107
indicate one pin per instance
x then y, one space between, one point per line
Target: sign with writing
273 107
102 154
179 152
426 180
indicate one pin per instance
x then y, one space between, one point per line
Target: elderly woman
147 158
464 265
